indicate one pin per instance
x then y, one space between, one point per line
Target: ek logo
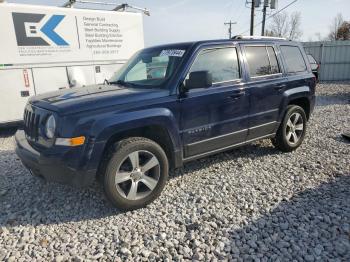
31 30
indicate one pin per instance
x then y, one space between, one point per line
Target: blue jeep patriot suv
168 105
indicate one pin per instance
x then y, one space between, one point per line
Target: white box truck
46 48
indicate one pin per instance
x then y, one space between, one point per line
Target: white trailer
46 48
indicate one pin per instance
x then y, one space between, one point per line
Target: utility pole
230 27
252 11
266 3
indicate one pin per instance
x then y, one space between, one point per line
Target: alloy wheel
294 128
137 175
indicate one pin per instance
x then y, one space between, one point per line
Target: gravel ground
251 204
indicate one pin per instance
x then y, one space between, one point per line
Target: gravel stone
253 203
59 258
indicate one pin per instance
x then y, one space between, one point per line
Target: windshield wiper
106 82
121 82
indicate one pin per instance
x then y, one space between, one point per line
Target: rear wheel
292 130
136 173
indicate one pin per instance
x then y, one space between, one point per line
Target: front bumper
51 166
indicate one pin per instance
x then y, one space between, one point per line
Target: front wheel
292 130
136 173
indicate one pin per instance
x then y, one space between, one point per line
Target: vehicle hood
69 101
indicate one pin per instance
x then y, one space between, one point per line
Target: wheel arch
157 124
304 103
156 133
299 96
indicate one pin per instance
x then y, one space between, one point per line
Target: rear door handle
237 94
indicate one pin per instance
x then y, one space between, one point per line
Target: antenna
119 7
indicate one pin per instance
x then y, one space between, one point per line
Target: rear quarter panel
299 85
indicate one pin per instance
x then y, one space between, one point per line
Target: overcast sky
185 20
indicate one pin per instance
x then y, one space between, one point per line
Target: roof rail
120 7
236 37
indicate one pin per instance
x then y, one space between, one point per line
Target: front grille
31 124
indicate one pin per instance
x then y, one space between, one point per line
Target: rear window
311 59
261 60
294 59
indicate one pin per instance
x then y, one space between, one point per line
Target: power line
236 10
228 12
270 16
230 27
239 11
279 11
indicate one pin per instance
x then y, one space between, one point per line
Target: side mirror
199 79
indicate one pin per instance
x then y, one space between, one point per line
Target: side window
294 59
258 61
261 60
222 63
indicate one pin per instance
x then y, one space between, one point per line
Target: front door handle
237 94
280 87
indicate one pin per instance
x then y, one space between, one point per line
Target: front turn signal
74 141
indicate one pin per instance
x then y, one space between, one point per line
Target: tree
294 24
283 25
343 32
333 29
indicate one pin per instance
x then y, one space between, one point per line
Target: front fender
110 124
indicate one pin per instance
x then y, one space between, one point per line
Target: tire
136 173
291 134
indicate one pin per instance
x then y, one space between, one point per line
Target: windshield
149 68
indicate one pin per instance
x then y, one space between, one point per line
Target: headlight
50 127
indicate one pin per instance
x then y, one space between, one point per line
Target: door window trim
268 55
275 75
219 47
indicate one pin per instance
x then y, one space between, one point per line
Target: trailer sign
46 48
29 32
64 34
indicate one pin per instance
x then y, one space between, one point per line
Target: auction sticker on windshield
172 52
